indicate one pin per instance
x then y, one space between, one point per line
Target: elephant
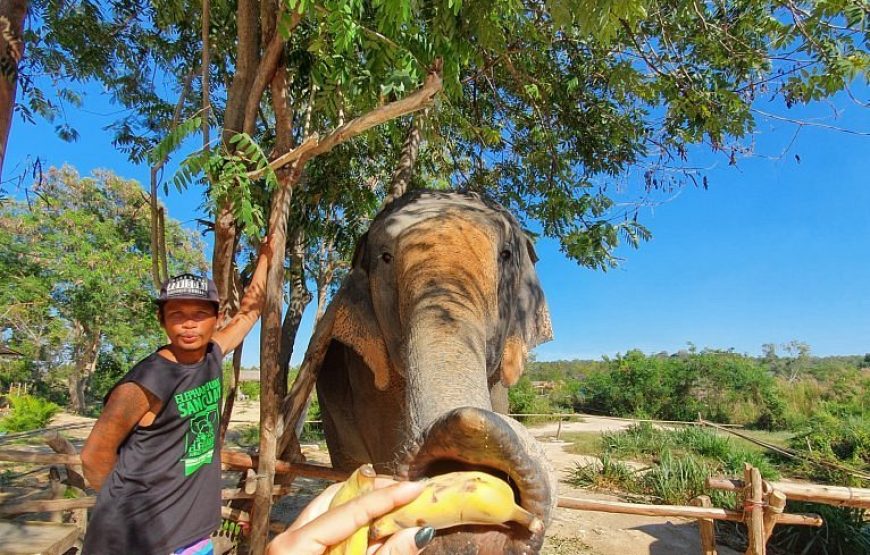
416 351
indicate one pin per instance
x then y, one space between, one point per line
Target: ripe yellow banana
360 482
455 499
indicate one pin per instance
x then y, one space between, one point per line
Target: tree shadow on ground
674 538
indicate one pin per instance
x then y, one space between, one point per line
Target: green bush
251 390
523 399
28 413
720 386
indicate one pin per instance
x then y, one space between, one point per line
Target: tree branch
265 71
416 101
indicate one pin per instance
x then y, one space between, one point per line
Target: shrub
844 441
251 390
28 413
719 385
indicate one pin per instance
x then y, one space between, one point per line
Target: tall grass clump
844 441
845 532
641 439
28 413
679 463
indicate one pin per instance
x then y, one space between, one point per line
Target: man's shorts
200 547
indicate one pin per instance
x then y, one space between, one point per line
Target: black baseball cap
188 287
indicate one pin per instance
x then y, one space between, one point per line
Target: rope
788 452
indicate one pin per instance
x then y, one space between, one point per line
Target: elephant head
418 347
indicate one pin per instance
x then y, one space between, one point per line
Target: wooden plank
837 496
18 455
36 538
677 510
14 507
233 459
705 526
241 461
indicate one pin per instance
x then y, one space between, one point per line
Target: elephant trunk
447 276
445 370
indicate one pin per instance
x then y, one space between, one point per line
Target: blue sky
776 250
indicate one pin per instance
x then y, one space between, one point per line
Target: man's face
189 324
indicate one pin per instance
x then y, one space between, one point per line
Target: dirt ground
571 532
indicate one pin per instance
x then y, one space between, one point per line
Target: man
153 454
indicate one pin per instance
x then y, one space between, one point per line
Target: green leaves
170 143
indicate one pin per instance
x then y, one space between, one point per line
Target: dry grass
565 546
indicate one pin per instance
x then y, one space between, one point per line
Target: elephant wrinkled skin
418 347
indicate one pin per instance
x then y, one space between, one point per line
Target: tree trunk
12 13
405 169
225 231
270 348
300 297
232 392
83 367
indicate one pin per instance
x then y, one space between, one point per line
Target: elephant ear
350 320
530 325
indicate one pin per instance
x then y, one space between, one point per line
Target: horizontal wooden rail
233 459
13 507
678 510
18 455
239 460
828 495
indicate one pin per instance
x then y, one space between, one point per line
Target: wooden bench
36 538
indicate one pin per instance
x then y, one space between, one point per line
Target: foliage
714 384
76 259
547 106
251 390
679 463
28 413
844 532
832 439
523 399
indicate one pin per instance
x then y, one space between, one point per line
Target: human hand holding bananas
444 501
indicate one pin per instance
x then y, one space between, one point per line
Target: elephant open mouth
475 439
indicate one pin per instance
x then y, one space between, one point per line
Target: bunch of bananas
448 500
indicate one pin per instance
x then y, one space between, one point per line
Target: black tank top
164 492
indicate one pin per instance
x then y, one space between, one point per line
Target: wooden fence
762 507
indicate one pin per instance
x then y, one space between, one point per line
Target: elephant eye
387 257
504 255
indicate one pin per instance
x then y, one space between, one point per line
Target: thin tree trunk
225 230
270 348
83 367
232 392
405 169
12 13
206 67
300 297
158 234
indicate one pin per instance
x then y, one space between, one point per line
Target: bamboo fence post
559 428
705 526
772 512
752 506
